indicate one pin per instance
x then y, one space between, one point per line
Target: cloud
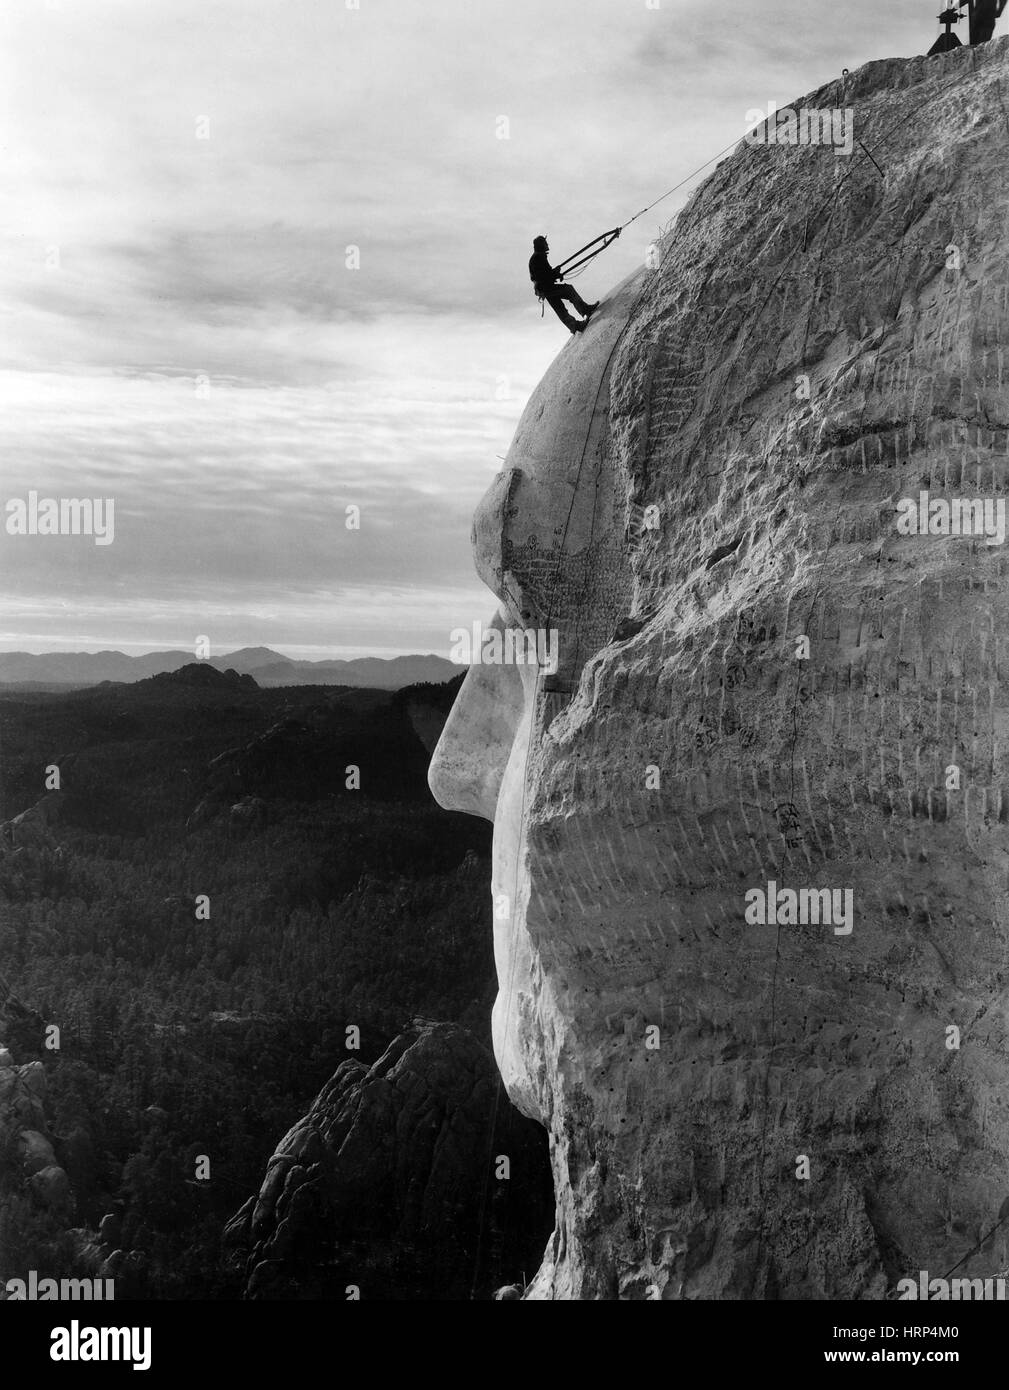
232 497
138 257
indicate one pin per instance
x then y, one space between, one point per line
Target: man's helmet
538 242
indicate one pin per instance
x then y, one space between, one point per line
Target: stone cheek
583 595
711 752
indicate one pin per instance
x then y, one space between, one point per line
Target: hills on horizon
79 669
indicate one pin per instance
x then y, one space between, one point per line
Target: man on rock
545 277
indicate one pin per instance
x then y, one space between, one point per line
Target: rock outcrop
768 682
393 1182
29 1168
26 1151
99 1255
306 756
22 1029
34 827
200 675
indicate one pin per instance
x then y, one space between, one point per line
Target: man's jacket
541 272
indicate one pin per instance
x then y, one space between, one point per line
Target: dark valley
245 915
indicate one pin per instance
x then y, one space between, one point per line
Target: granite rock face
28 1162
31 1173
34 827
391 1183
767 677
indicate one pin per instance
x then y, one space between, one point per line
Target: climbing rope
573 266
576 265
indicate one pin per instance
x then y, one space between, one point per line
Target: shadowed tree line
181 1037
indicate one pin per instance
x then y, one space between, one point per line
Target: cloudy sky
182 327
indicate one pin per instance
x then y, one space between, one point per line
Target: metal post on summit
947 39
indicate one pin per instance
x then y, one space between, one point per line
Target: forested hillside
209 899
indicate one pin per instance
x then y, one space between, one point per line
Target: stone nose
470 760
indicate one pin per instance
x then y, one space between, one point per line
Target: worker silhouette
983 14
545 277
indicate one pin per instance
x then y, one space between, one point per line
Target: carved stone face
549 541
765 684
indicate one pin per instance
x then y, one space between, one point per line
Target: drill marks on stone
625 856
592 872
672 817
546 900
564 578
721 848
616 869
556 871
812 820
739 854
753 837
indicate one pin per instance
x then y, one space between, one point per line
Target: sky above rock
262 261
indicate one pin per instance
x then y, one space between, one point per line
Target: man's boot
558 307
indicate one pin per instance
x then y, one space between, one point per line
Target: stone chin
479 766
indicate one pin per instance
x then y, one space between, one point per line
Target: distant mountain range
269 668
